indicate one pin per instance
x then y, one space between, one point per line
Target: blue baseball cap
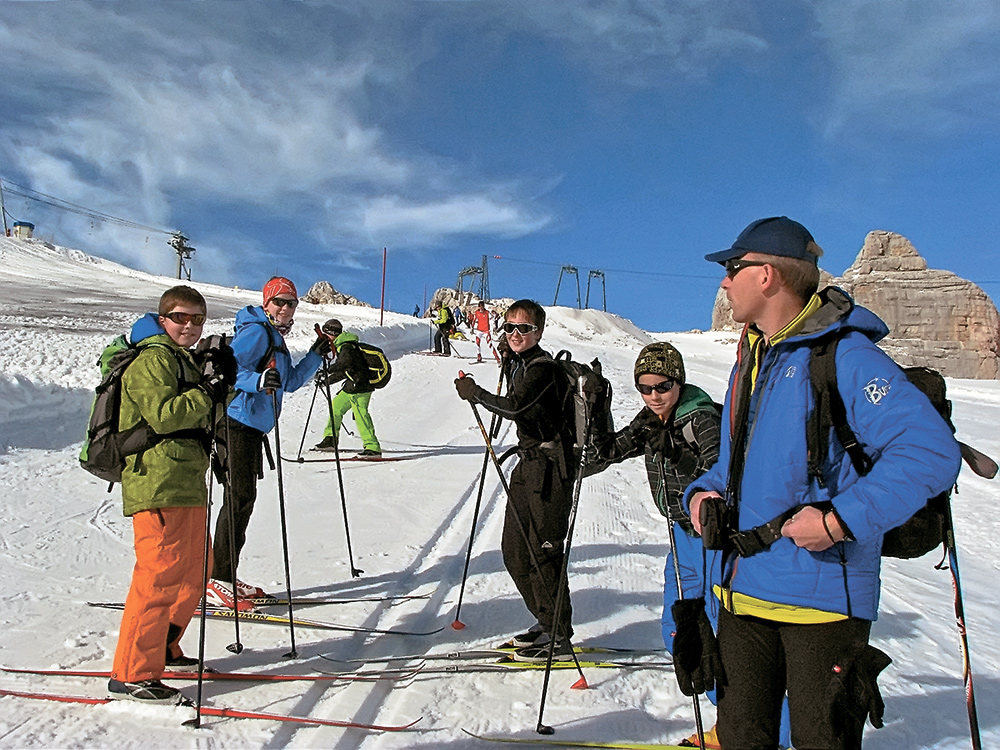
777 235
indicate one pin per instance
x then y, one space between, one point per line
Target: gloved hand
217 359
270 380
321 345
466 388
503 346
697 664
853 692
215 387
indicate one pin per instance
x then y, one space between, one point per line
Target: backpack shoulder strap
829 411
271 347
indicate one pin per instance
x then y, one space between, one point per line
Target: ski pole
458 624
196 721
970 696
293 654
542 728
236 647
305 427
582 682
699 726
355 572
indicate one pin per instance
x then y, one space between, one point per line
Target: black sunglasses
282 302
182 318
736 265
521 328
664 386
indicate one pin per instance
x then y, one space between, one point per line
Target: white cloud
430 221
640 42
229 115
911 66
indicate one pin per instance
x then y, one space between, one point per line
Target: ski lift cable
65 205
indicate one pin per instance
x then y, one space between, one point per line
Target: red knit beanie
278 285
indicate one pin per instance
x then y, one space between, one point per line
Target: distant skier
351 367
445 325
482 326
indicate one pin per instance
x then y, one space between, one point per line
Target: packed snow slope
63 542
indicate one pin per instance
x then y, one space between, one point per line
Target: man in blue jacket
800 584
264 367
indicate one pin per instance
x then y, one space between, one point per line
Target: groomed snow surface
63 542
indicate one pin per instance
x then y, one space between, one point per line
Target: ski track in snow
63 542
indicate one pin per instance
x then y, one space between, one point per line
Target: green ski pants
358 404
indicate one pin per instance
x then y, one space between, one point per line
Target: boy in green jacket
164 492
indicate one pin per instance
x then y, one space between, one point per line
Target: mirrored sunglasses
521 328
282 302
183 318
664 386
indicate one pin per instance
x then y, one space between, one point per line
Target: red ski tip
458 625
580 684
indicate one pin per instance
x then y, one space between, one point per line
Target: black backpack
379 368
927 529
588 399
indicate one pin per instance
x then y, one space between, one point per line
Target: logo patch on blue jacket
876 389
790 372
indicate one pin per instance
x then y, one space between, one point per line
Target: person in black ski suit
541 485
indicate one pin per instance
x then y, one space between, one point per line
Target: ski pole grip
271 365
461 374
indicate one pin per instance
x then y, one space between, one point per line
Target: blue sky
628 137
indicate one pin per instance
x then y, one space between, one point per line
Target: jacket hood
692 399
345 337
839 311
146 326
251 315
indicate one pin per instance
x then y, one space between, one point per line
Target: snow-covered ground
63 542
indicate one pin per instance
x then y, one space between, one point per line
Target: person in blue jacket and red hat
800 590
264 367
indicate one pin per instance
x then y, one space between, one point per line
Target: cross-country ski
305 601
266 618
392 674
231 713
547 742
488 653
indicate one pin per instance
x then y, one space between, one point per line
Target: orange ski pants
167 585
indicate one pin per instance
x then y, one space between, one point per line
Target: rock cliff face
323 293
935 318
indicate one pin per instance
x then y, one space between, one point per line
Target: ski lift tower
568 270
184 252
484 282
604 291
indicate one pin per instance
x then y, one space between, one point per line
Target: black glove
716 522
216 387
853 692
697 664
466 388
217 359
270 380
321 345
